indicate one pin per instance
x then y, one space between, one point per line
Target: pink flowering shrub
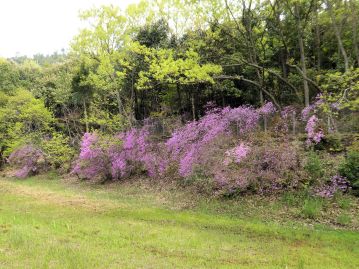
120 155
314 133
267 167
189 144
94 160
285 120
220 148
310 113
336 184
138 152
28 159
236 154
312 109
267 109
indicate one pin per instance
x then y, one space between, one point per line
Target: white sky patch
28 27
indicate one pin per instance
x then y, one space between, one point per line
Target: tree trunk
302 56
304 69
317 41
193 107
119 104
283 61
337 34
86 117
179 99
355 30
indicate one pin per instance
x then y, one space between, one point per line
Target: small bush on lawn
343 201
344 219
200 182
312 208
289 199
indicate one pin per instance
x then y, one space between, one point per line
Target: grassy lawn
48 223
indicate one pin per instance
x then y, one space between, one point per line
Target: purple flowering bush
138 152
220 147
28 159
309 114
94 160
224 150
190 145
336 184
314 133
264 167
120 155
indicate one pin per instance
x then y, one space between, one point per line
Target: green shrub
58 152
314 167
312 207
354 146
343 201
331 143
23 120
350 169
289 199
344 219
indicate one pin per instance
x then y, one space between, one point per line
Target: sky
28 27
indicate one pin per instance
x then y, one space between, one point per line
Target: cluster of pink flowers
314 134
138 150
188 145
236 154
93 160
118 156
287 112
306 112
27 159
336 184
267 109
311 108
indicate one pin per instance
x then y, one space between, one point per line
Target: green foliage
314 167
331 143
342 88
344 219
169 58
350 169
312 208
9 76
343 201
22 119
355 143
167 67
289 199
57 151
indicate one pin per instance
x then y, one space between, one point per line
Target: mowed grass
51 224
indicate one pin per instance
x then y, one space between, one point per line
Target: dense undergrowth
225 153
